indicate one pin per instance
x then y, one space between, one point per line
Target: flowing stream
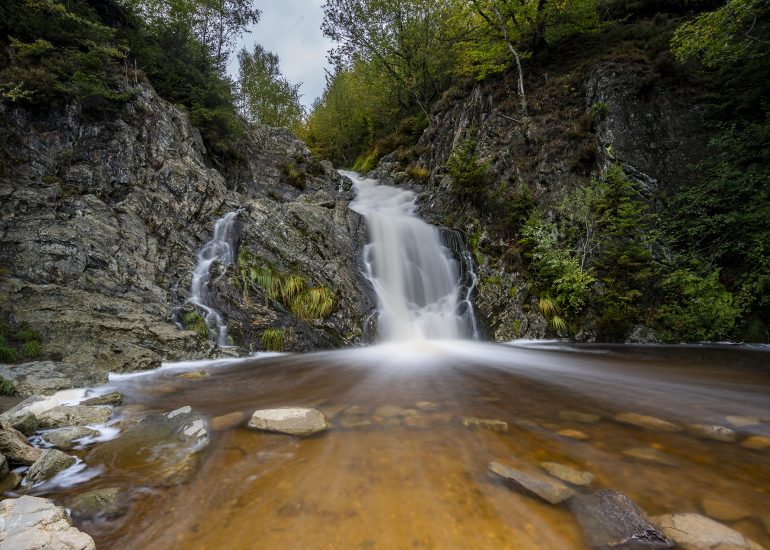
220 248
416 420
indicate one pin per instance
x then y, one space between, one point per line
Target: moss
418 173
295 175
195 322
273 339
32 349
7 387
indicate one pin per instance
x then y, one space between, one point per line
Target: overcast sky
291 28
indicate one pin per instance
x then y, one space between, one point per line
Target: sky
291 29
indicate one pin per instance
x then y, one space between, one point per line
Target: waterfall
221 247
417 281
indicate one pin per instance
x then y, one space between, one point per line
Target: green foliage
7 353
418 173
313 303
467 172
195 322
273 339
295 175
6 386
32 349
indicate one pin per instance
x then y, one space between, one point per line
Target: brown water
419 480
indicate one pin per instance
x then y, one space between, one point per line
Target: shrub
467 172
7 387
273 339
32 349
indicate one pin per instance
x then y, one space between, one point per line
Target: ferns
315 303
273 339
552 312
291 287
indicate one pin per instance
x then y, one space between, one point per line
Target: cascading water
414 275
220 248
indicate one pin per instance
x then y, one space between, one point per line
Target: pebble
715 432
388 411
742 421
573 434
647 422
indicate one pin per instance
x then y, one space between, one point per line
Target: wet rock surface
696 532
647 422
73 415
568 473
50 463
609 519
289 420
67 438
113 398
28 523
15 447
546 488
109 502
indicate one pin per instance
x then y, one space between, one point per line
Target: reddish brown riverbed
417 477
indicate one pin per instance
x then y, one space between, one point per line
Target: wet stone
485 423
647 422
742 421
720 509
114 398
50 463
546 488
67 438
73 415
648 454
109 502
715 432
194 375
568 473
10 482
31 522
225 421
15 447
573 434
756 442
417 422
697 532
583 418
355 410
352 422
426 405
297 421
388 411
611 520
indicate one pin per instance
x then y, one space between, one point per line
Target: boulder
47 377
646 422
697 532
66 438
73 415
4 469
542 486
50 463
21 418
33 523
289 420
15 446
109 502
113 398
567 473
162 448
611 520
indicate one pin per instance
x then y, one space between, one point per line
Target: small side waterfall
220 248
415 277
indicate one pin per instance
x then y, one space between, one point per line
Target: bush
273 339
467 172
7 387
32 349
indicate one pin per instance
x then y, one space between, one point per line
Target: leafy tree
265 95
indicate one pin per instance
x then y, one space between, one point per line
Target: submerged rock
225 421
66 438
573 434
742 421
486 423
73 415
112 398
162 448
50 463
544 487
718 508
289 420
388 411
568 473
574 416
648 454
611 520
194 375
715 432
109 502
756 442
696 532
31 522
647 422
15 446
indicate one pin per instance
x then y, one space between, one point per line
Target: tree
265 95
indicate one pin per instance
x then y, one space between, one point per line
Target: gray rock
162 448
611 520
567 473
32 523
112 398
15 446
67 438
109 502
4 469
50 463
649 454
544 487
289 420
73 415
21 418
642 334
647 422
696 532
46 377
717 433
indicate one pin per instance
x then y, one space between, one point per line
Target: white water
415 278
220 248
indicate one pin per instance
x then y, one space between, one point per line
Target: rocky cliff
102 217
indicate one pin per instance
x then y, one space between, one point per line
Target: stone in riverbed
611 520
567 473
388 411
15 446
31 523
697 532
66 438
21 417
583 418
289 420
50 463
647 422
486 423
723 510
756 442
573 434
715 432
109 502
544 487
225 421
648 454
742 421
73 415
112 398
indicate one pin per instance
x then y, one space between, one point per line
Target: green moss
273 339
195 322
7 387
32 349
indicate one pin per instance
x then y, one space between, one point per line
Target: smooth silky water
399 469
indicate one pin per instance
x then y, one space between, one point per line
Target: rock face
609 519
289 420
103 218
48 377
544 487
32 523
696 532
